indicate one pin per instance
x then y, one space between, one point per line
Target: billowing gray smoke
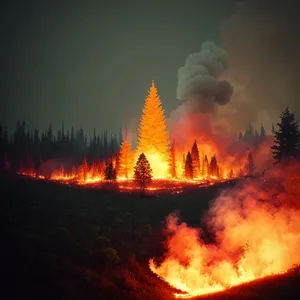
199 79
262 40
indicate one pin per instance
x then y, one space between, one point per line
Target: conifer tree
205 167
287 137
126 158
195 160
188 168
262 131
117 165
173 160
153 138
143 172
213 167
231 175
250 167
110 172
273 129
84 170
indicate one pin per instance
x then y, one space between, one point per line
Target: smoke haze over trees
65 146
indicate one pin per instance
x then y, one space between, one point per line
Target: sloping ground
279 287
60 242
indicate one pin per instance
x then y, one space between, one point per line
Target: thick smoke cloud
199 79
263 46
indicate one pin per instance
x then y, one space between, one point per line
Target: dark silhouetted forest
65 145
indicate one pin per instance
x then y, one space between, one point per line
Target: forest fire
256 233
188 164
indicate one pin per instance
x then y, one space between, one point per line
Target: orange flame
256 235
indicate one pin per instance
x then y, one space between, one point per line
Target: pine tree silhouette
173 160
110 172
287 137
143 172
205 167
196 160
188 168
213 167
250 167
126 158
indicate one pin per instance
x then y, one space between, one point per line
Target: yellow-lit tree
205 167
83 170
125 164
153 138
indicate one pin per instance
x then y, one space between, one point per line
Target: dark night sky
92 62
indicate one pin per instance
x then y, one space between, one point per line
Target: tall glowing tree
205 167
125 158
153 138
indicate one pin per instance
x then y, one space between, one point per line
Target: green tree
287 137
143 172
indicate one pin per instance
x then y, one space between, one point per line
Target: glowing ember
255 236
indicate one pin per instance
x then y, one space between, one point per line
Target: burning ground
79 243
254 231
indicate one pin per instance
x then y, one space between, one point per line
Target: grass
62 242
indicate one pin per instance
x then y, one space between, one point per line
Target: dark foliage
78 243
172 162
250 167
26 145
143 172
195 160
213 167
188 167
286 137
110 172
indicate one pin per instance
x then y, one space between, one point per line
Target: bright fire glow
153 138
168 159
256 235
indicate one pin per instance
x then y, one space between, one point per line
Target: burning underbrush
254 232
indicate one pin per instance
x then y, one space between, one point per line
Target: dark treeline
70 145
252 136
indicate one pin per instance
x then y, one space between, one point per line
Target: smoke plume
199 79
259 57
263 46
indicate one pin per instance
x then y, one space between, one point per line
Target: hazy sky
92 62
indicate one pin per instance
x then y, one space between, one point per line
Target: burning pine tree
188 168
173 160
143 172
195 160
153 138
125 158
